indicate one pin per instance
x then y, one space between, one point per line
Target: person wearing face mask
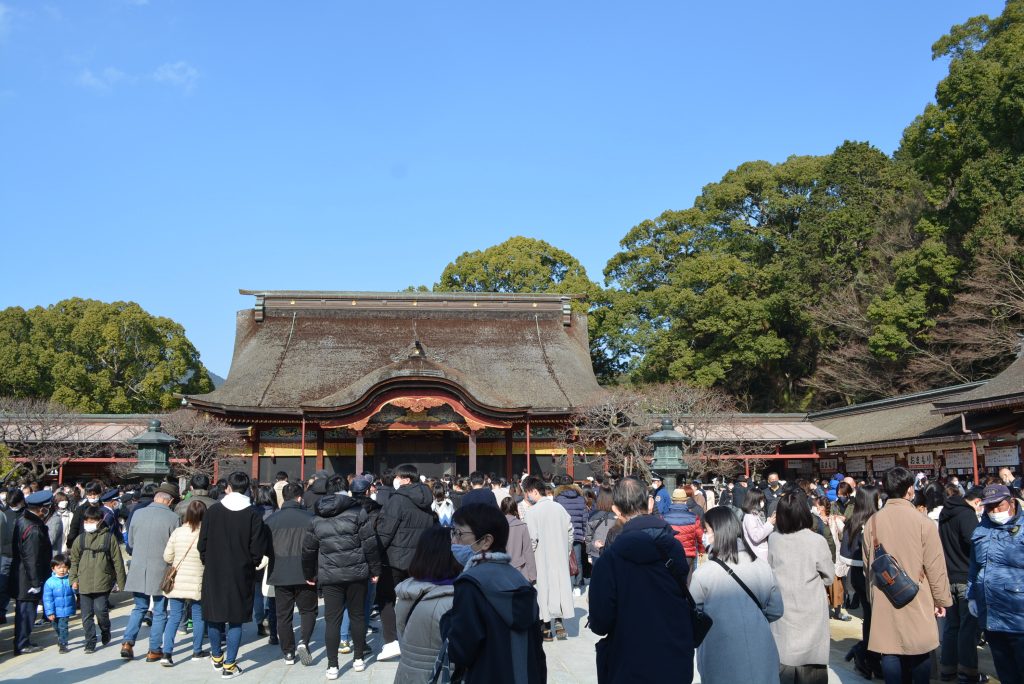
771 493
492 629
30 567
97 566
995 578
93 490
64 513
740 640
12 513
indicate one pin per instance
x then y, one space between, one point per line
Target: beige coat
188 583
912 539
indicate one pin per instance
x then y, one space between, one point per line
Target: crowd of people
470 577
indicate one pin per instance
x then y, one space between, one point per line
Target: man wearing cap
995 581
659 501
30 566
148 532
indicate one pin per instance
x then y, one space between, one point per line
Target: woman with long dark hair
803 568
865 504
422 600
740 646
756 528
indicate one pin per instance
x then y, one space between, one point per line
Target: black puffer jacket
339 546
316 491
402 520
288 528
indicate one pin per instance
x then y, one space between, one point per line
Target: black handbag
891 579
700 622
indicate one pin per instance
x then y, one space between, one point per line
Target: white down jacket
181 548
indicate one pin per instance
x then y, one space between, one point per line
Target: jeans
176 608
263 607
287 599
24 617
95 608
577 550
156 632
960 636
337 597
1007 655
234 639
371 591
907 669
60 626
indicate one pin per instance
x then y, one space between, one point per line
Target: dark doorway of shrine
433 452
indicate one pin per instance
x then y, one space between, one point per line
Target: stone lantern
154 445
668 453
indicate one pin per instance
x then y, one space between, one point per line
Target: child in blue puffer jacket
59 600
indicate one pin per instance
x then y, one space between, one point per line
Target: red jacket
687 528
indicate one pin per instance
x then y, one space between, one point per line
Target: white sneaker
358 665
577 592
390 650
333 673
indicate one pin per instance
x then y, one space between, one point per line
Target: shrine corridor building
452 382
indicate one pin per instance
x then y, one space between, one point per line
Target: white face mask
91 527
62 505
708 540
92 499
999 517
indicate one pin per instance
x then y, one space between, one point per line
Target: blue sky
170 152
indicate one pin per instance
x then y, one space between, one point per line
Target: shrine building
363 381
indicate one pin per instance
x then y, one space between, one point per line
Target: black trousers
24 617
95 608
288 598
337 597
388 622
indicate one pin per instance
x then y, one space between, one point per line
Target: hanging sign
925 460
959 459
1002 456
828 465
798 464
882 463
857 465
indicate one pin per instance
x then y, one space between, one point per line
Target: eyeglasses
457 533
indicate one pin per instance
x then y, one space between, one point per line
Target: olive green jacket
95 570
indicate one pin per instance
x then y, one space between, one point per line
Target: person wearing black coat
636 602
957 522
339 552
316 491
232 541
30 567
288 527
93 489
399 526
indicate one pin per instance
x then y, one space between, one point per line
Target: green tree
96 357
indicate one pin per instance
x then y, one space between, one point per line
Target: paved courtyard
568 661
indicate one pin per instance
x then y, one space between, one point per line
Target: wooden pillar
360 446
255 470
302 450
974 455
319 448
508 453
570 466
528 446
472 450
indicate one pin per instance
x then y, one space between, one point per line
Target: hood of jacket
319 486
235 501
333 504
955 506
681 515
511 596
412 589
634 543
419 494
568 491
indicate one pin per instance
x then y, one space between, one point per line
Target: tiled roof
1003 391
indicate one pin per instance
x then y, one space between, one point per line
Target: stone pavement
569 661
